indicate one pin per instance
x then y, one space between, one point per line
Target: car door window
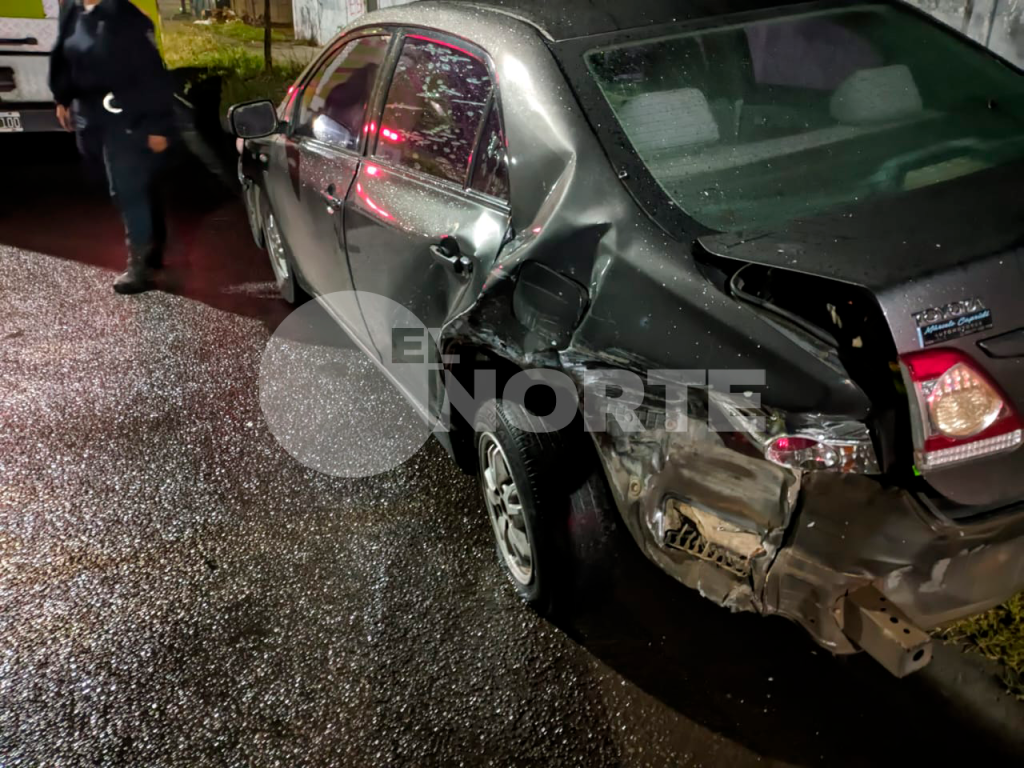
490 175
334 102
434 108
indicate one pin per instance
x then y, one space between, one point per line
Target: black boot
138 275
155 257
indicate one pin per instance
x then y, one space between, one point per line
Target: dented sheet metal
844 533
851 531
666 481
745 532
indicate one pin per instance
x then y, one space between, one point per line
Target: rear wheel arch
556 495
466 360
472 357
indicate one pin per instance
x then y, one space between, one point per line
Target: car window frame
493 106
372 139
319 63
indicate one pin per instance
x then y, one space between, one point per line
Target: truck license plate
10 122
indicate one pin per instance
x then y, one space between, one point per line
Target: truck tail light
959 414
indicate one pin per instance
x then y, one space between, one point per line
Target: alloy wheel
275 247
252 208
505 510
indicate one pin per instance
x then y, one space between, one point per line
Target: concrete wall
320 20
252 10
999 24
996 23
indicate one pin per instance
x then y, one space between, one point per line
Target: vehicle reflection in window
334 103
433 110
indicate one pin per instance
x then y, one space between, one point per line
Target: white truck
28 31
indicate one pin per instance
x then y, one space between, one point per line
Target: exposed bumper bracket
877 626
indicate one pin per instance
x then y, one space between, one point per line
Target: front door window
334 104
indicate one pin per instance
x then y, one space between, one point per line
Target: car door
318 160
423 222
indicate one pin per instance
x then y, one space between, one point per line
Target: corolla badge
960 318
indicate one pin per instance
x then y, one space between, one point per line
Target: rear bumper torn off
817 547
850 532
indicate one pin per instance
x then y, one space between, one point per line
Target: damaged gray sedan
772 250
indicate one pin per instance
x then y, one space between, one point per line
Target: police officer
112 88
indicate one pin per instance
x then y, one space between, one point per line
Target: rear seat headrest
876 95
665 120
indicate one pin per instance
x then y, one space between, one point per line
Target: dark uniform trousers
132 173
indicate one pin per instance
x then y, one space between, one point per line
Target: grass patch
189 45
239 30
997 634
240 67
272 85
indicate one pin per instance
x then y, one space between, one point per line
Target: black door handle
327 195
447 252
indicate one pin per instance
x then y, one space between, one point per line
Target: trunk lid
946 266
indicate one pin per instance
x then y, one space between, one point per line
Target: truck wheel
554 534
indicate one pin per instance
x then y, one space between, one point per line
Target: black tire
253 195
281 262
568 515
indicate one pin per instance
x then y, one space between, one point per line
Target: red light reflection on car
369 202
435 41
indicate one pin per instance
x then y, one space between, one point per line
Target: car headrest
665 120
876 95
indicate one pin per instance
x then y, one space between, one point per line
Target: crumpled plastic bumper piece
752 535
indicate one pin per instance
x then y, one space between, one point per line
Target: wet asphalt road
175 589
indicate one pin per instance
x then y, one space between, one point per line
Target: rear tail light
802 441
823 452
959 414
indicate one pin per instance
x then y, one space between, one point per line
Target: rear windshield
751 125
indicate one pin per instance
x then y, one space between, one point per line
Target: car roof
565 19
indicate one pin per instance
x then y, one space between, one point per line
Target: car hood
957 241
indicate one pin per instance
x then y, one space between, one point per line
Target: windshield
748 126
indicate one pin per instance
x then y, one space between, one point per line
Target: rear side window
490 175
434 109
334 103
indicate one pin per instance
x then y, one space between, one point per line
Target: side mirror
253 119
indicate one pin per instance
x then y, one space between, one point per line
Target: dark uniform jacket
112 50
